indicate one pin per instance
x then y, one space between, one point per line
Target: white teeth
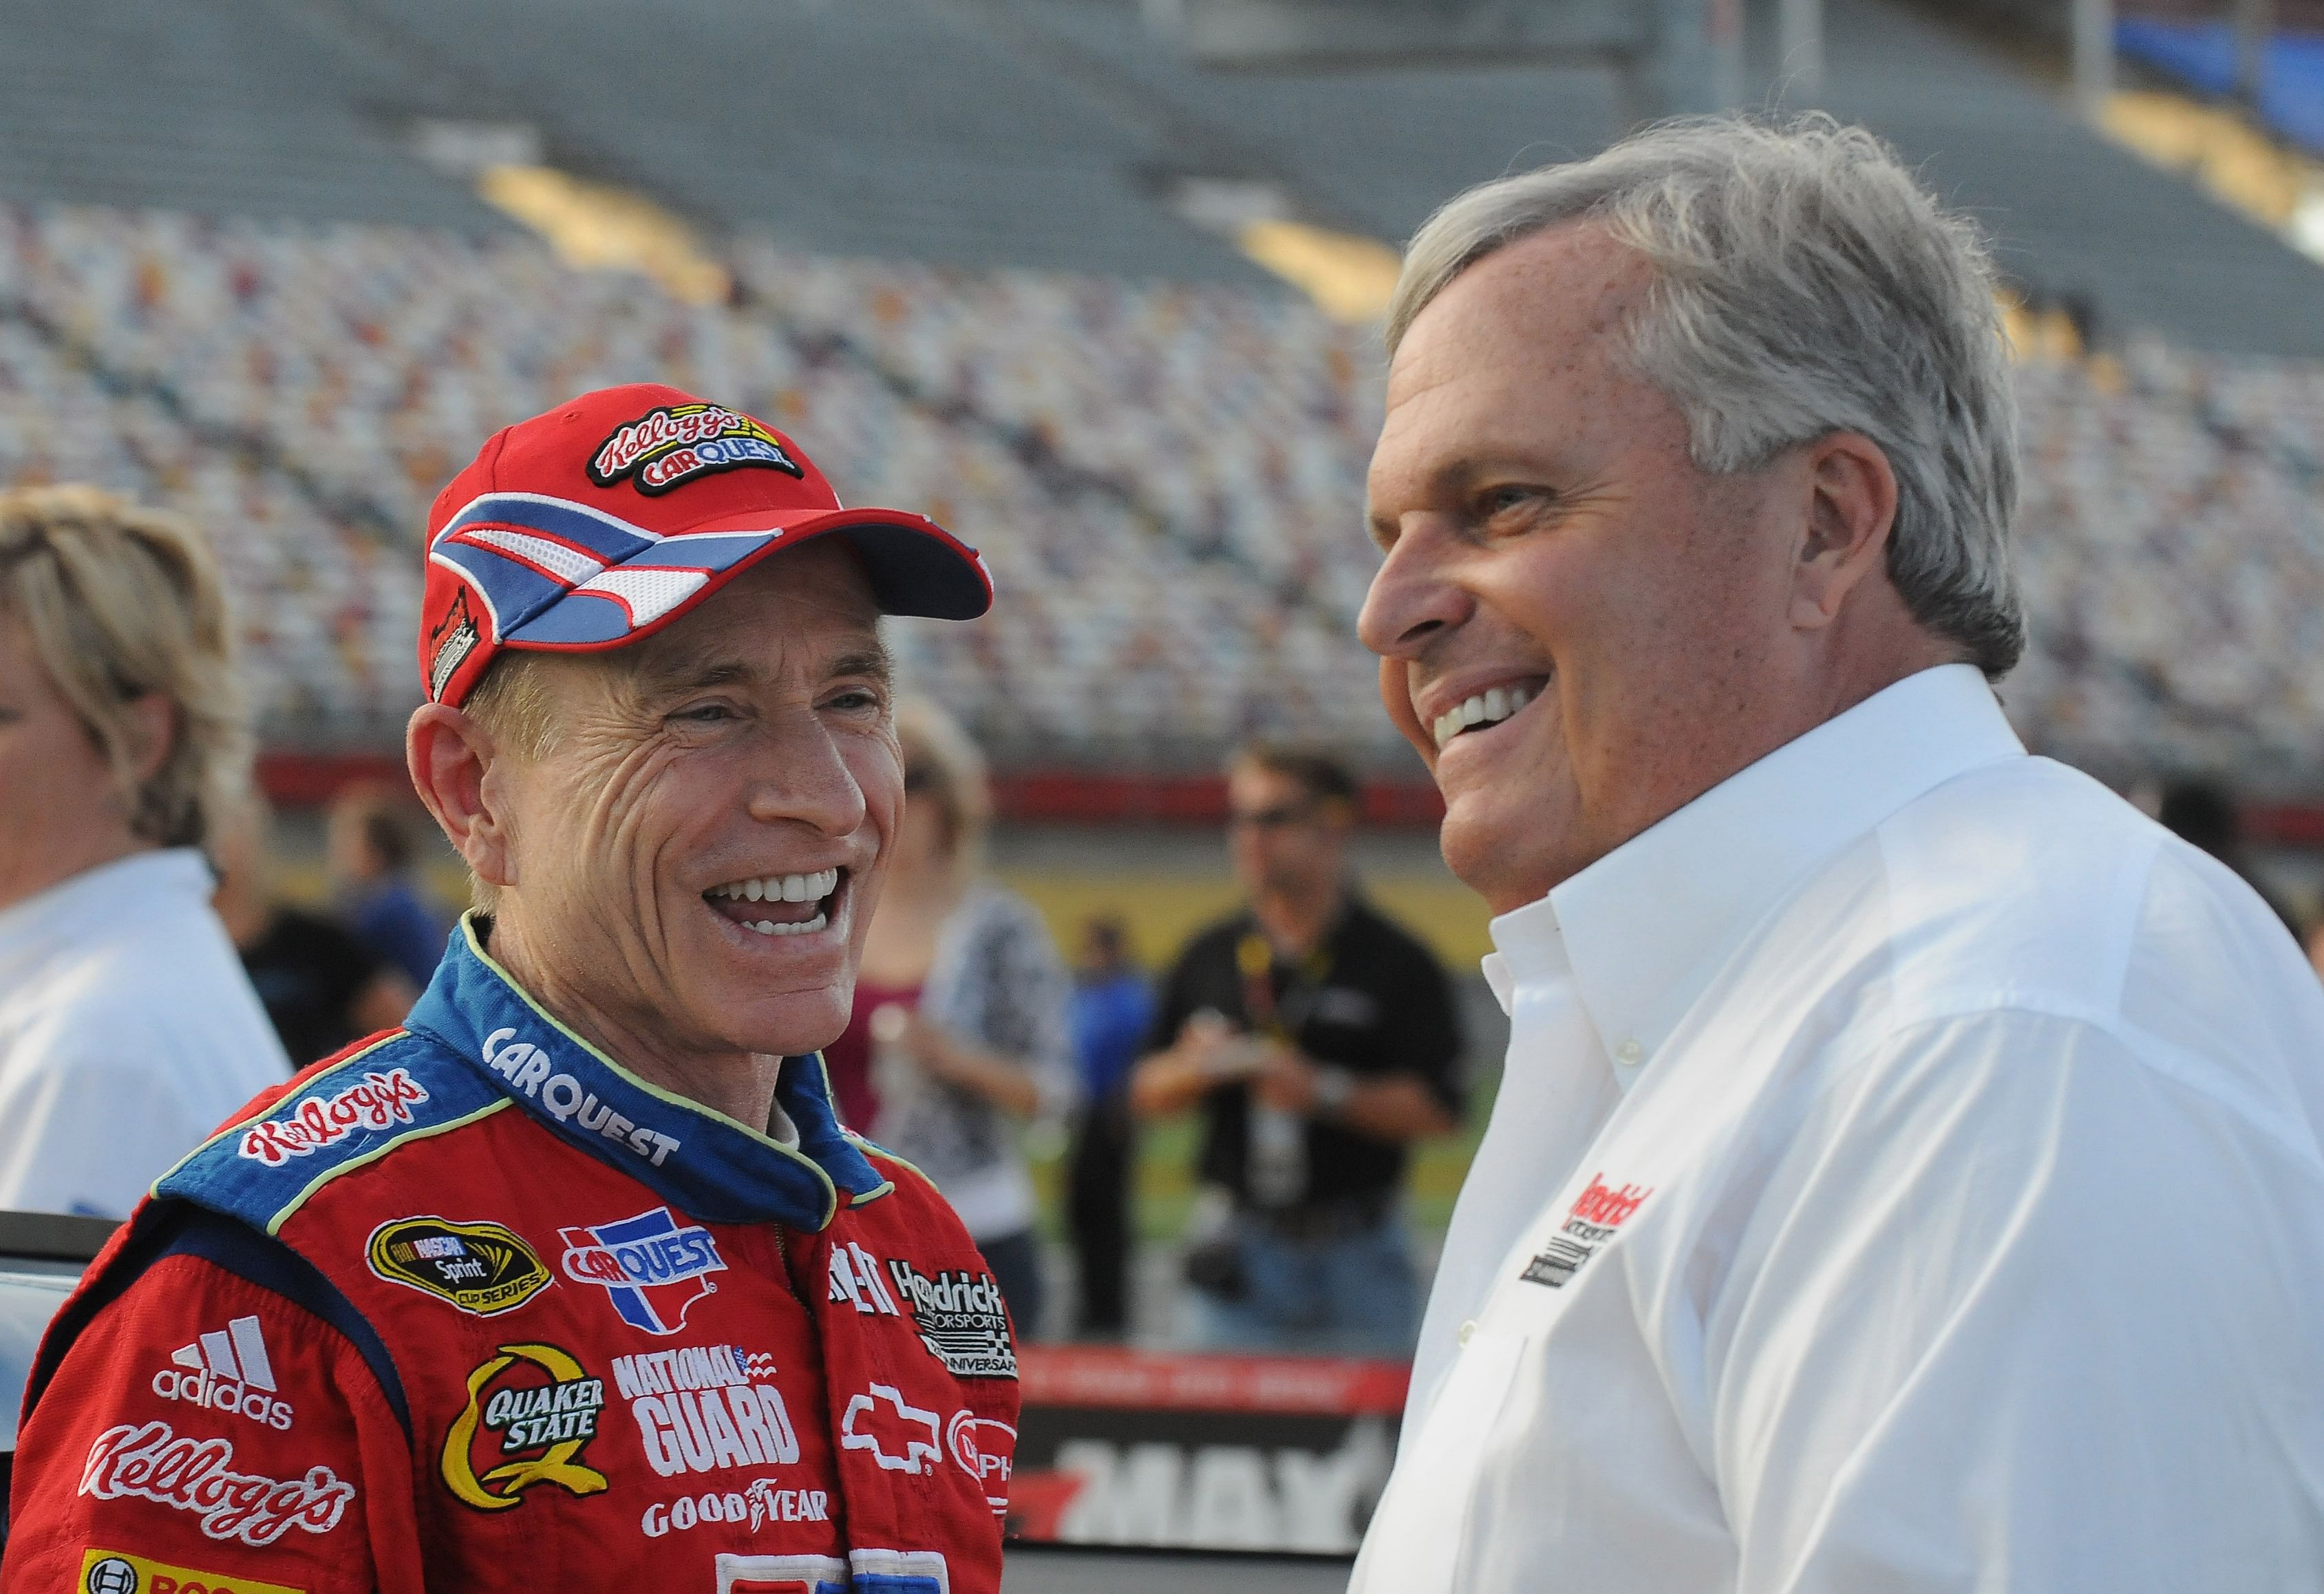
766 927
782 887
1487 708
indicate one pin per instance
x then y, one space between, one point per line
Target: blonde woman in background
127 1029
959 1033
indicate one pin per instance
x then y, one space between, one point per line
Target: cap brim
915 565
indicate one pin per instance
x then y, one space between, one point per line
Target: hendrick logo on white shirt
1593 1221
227 1371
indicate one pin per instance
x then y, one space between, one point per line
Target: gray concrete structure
1035 132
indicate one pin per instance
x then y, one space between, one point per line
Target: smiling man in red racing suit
575 1282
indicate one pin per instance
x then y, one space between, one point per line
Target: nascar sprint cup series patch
482 1268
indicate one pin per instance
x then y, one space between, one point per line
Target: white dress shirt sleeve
1995 1237
89 1131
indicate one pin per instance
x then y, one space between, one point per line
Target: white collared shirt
128 1032
1915 1186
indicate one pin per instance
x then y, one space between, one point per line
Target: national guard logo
482 1268
532 1411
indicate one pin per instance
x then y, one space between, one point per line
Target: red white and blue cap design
609 517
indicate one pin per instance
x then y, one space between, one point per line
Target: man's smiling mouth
778 904
1488 708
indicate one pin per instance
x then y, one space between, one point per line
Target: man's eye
1500 500
705 713
855 700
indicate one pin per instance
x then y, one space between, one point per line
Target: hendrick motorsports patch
669 447
482 1268
960 1318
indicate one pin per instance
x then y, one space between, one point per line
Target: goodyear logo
532 1412
482 1268
112 1571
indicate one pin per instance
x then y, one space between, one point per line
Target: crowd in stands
1168 479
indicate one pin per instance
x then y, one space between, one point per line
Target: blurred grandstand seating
1167 478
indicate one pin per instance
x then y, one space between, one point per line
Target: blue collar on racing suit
477 1044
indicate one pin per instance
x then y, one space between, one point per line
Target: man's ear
454 769
1851 512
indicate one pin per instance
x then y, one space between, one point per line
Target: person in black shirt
321 987
1320 1041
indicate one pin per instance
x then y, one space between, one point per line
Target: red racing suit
469 1307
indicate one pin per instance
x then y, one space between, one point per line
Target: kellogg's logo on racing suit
651 1268
374 1101
668 446
150 1461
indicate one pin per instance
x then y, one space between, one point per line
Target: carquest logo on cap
667 446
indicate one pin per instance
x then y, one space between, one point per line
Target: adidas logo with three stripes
227 1371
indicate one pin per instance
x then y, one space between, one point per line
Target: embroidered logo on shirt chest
1594 1220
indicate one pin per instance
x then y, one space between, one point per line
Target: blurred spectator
321 987
959 1029
1320 1040
2204 813
368 840
127 1031
1113 1008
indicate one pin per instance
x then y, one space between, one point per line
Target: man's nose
806 780
1413 597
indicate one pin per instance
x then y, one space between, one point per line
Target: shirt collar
1529 950
1647 927
701 1161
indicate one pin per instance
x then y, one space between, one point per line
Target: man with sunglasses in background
1320 1041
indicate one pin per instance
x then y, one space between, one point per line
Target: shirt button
1468 1328
1630 1052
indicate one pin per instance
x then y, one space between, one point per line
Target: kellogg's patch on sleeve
116 1571
482 1268
668 446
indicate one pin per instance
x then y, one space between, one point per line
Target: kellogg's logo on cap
665 446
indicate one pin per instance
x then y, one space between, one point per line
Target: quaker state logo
482 1268
532 1412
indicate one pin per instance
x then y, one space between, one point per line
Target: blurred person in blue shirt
1113 1007
370 849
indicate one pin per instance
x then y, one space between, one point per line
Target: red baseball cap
609 517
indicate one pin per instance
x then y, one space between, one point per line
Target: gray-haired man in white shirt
1907 1175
